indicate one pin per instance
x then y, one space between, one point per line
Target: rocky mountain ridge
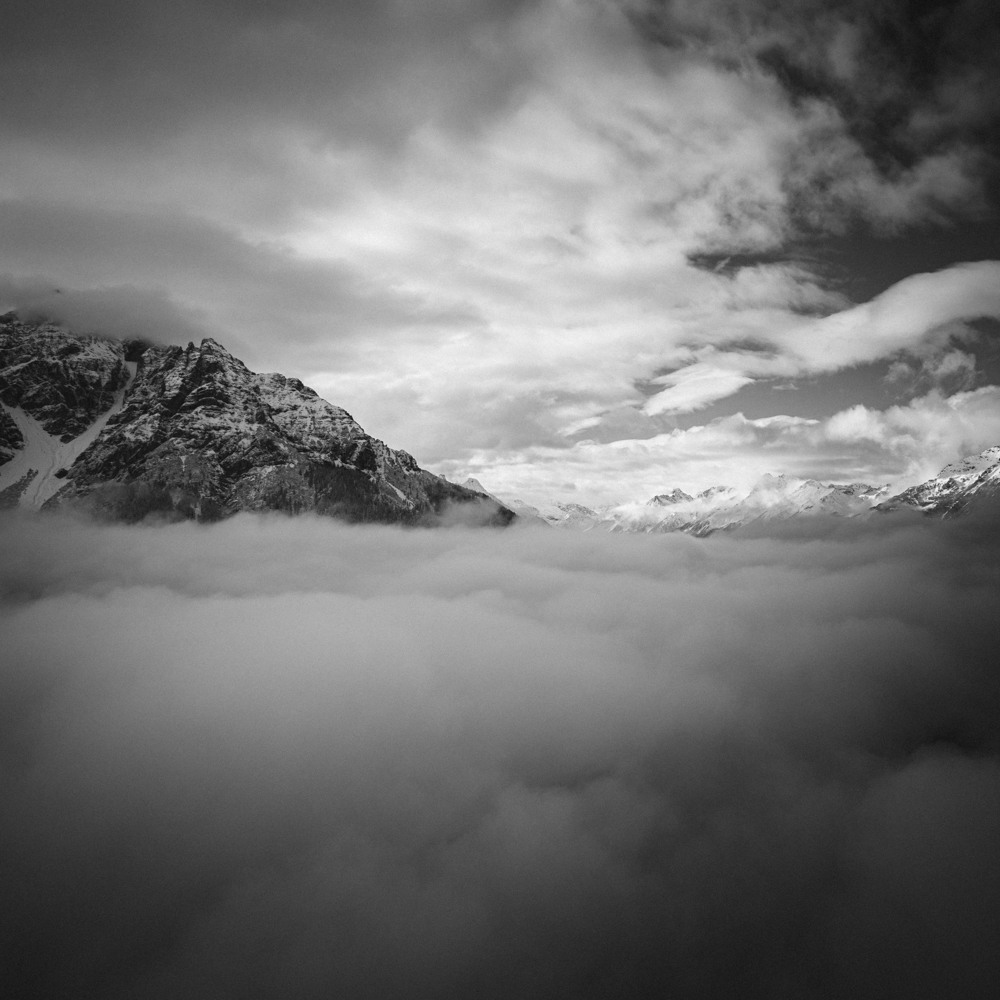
132 429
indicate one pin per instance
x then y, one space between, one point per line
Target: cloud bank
289 757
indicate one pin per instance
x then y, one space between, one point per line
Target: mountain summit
132 429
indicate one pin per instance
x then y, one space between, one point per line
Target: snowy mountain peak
666 499
968 485
713 491
971 466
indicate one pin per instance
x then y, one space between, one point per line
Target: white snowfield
43 455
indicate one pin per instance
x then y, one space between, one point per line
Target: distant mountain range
132 429
964 487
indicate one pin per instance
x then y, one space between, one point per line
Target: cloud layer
288 757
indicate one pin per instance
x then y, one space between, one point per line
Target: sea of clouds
290 758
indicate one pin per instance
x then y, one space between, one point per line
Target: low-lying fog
289 758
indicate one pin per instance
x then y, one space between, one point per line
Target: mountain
132 429
666 499
963 487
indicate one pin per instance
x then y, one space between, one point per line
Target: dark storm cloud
889 66
122 311
290 758
131 73
266 288
909 81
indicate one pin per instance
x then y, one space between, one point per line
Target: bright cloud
692 387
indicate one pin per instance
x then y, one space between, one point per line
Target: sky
278 757
583 249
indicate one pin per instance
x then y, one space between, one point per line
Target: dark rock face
194 433
64 382
11 439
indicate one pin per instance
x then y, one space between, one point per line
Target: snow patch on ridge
44 455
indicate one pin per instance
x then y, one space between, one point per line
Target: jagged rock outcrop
132 429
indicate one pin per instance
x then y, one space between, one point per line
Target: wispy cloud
918 315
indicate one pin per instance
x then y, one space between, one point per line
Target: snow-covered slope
128 429
40 464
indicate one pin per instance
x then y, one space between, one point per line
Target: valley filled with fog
289 757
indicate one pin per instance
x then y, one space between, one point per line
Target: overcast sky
591 249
